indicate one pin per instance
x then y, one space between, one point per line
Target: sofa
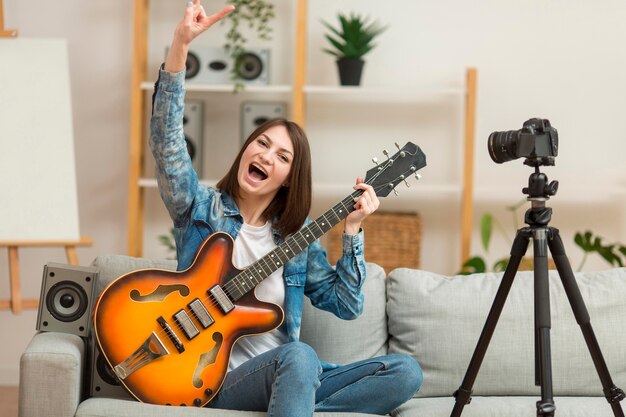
435 318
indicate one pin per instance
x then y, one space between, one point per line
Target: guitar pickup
170 333
201 313
222 299
185 323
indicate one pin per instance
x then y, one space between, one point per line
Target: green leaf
584 241
353 36
473 265
500 265
606 252
486 229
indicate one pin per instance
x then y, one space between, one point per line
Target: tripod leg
612 393
543 360
463 394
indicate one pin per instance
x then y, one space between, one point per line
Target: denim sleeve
337 290
178 182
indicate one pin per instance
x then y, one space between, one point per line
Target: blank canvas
38 200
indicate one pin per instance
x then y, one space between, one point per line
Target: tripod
544 237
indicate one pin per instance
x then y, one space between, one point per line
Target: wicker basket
392 240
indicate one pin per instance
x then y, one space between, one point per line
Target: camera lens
503 146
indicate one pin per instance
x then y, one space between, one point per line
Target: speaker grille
67 301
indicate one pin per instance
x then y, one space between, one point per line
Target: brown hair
292 203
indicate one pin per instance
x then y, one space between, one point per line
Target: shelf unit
299 92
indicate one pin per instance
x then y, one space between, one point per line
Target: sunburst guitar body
168 335
140 322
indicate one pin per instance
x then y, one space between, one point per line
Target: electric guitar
168 335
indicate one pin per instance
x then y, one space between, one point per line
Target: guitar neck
383 178
253 275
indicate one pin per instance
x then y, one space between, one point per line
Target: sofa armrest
51 375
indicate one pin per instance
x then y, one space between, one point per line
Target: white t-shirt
252 243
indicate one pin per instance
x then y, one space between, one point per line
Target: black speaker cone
192 65
249 66
104 370
67 301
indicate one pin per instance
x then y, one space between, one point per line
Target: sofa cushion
341 341
504 407
438 320
113 266
105 407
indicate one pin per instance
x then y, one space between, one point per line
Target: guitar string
386 164
209 302
231 285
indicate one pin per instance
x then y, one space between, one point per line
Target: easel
8 33
16 303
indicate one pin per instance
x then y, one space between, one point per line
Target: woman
264 197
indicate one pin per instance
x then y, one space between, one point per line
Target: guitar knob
197 402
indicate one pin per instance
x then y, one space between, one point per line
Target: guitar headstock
396 169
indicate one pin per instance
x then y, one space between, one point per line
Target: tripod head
539 191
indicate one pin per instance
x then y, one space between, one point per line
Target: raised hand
194 22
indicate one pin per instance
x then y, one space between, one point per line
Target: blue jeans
288 382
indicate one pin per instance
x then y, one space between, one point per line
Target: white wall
561 60
99 36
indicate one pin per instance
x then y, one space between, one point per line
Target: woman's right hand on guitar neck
193 24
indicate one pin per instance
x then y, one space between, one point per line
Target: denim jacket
198 211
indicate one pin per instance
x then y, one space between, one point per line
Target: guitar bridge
150 350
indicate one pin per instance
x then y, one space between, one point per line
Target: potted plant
350 42
256 15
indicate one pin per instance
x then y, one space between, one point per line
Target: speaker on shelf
212 65
101 379
255 113
193 120
67 293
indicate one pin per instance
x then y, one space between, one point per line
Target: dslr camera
537 141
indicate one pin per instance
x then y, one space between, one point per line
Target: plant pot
350 70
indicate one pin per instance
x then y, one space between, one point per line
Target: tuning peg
389 160
402 153
395 191
375 161
418 176
403 178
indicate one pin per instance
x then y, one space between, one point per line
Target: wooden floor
8 401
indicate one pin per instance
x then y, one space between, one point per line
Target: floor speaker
255 113
212 65
66 299
193 119
102 380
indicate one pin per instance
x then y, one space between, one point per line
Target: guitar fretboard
250 277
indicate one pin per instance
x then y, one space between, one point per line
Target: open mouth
256 173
